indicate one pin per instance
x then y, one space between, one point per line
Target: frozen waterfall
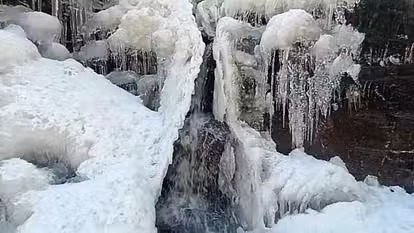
125 116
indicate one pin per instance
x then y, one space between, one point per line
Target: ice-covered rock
39 27
54 51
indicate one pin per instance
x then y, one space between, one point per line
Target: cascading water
192 199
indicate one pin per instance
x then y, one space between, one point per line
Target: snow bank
15 50
117 146
285 29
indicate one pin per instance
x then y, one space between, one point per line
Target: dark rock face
378 138
374 136
389 28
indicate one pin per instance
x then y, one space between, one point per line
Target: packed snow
60 110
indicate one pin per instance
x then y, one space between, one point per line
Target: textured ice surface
62 110
271 185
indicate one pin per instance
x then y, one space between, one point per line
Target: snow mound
290 27
39 27
15 50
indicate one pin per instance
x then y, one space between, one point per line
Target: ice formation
311 67
258 11
121 149
385 209
58 110
267 184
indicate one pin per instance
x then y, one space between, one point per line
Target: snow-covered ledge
119 148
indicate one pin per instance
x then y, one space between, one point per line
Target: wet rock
191 200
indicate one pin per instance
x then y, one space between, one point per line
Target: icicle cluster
311 67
